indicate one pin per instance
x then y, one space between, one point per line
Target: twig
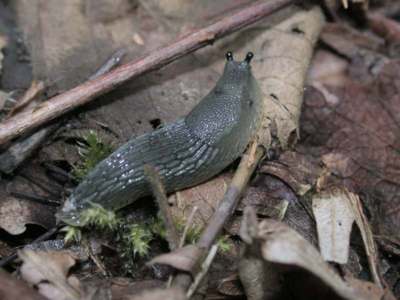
35 198
231 197
161 197
23 148
113 61
204 269
36 88
228 204
87 91
187 226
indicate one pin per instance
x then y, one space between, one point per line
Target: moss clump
100 218
92 150
136 239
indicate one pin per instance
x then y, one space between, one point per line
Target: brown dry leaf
370 248
121 287
185 259
361 48
16 213
285 246
374 292
160 294
358 138
348 41
299 171
334 218
230 286
48 271
12 288
280 245
269 196
327 68
205 197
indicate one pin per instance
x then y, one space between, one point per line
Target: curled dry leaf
334 220
361 220
184 259
48 271
278 244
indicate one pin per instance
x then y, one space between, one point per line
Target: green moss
72 234
137 239
224 244
157 227
100 218
92 150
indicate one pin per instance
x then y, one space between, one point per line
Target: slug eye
249 57
229 56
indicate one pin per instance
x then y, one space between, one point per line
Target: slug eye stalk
249 57
229 56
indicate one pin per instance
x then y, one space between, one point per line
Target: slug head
237 71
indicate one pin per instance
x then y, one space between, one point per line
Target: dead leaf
357 136
366 234
185 259
279 244
48 271
362 48
206 197
348 41
373 292
334 219
269 196
16 213
327 68
160 294
11 288
299 171
230 286
121 287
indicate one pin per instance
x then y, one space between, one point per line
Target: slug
185 153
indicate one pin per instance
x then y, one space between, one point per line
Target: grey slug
185 153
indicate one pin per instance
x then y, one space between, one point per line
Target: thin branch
204 269
188 225
22 148
159 193
247 165
31 94
87 91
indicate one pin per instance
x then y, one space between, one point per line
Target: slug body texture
185 153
